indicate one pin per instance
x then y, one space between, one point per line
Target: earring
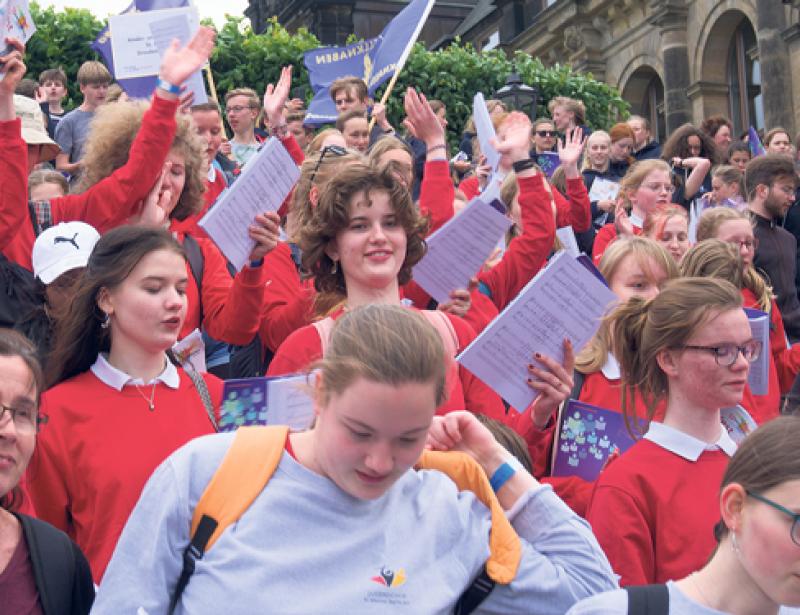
106 321
335 267
734 544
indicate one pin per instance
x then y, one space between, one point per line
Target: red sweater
436 194
98 449
107 204
605 236
654 512
231 307
575 210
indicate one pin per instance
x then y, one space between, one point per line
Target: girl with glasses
755 567
29 579
119 406
712 257
646 187
653 508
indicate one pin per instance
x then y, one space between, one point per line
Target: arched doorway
644 91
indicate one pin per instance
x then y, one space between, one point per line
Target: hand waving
513 138
179 63
275 97
420 120
569 152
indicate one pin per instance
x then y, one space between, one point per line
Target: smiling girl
121 406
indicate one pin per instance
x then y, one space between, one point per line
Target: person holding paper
754 564
137 166
396 538
646 187
596 165
653 509
117 406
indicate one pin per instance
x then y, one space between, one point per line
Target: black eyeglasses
795 531
726 354
25 419
547 133
335 150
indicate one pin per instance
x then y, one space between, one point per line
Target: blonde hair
708 227
714 258
570 104
595 136
316 142
646 252
384 145
113 130
47 176
388 344
509 190
636 175
253 100
93 72
642 329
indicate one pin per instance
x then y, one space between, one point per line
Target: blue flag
141 87
374 60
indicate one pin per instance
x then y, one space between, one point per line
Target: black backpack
648 600
19 292
246 361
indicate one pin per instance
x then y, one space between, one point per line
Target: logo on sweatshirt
390 578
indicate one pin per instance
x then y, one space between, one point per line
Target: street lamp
518 96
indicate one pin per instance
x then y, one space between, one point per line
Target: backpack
19 293
648 599
231 490
246 361
61 572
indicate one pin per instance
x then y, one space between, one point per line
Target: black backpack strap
475 594
194 254
62 574
193 553
648 599
577 384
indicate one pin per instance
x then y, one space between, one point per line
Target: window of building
744 77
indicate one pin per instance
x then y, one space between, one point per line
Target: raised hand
12 68
622 221
553 381
275 98
569 152
421 121
461 431
379 113
513 138
265 231
179 63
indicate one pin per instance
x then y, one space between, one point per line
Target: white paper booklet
564 300
265 182
758 377
568 240
457 251
603 190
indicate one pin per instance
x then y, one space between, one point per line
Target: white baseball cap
61 248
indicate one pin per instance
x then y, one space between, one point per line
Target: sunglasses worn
546 133
333 150
795 531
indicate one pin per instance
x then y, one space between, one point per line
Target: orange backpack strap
324 328
504 544
244 472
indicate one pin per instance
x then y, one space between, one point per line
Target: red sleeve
605 236
481 311
13 180
231 307
580 206
297 352
437 194
478 398
111 201
787 360
416 294
296 152
527 253
470 187
622 529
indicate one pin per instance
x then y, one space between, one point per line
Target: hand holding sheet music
458 249
564 300
263 185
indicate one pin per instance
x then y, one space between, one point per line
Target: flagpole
212 86
402 61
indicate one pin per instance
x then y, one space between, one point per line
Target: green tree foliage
62 39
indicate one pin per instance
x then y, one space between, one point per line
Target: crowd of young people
400 496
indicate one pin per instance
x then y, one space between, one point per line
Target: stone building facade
675 61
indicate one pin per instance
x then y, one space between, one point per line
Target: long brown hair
79 335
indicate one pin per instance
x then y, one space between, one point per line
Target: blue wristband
504 473
168 87
256 264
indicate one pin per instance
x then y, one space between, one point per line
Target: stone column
776 76
669 16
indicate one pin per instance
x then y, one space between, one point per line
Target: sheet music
758 377
457 251
263 185
564 300
567 238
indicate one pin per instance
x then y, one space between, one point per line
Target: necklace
693 578
150 402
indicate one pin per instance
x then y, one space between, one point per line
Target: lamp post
518 96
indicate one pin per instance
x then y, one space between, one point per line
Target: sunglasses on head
333 150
